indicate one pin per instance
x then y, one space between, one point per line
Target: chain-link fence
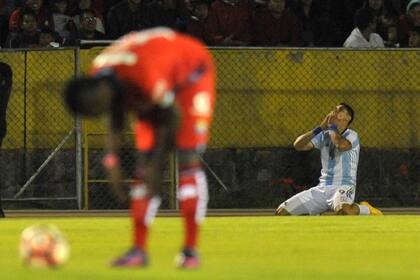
266 98
98 194
37 157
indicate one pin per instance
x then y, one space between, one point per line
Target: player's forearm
335 137
113 142
111 160
303 140
339 141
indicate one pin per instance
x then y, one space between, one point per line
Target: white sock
363 210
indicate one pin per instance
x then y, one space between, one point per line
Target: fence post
79 152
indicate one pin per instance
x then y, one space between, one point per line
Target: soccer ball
43 246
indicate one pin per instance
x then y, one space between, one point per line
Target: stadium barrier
266 98
38 157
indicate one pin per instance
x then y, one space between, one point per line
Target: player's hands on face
332 118
327 120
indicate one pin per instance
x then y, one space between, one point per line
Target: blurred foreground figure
166 80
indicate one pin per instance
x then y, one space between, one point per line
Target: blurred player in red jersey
167 81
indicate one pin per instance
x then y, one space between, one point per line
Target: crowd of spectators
292 23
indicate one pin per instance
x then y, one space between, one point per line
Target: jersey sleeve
317 140
353 138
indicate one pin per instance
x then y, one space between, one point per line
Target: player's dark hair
80 93
363 18
349 109
76 93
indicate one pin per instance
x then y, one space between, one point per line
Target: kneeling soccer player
166 80
339 146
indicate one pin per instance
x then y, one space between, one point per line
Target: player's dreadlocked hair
349 110
78 92
82 94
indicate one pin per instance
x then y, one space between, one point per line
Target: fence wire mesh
37 123
266 98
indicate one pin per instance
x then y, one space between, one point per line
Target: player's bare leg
144 206
145 203
193 198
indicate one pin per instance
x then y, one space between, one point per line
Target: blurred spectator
63 23
126 16
108 4
27 34
399 5
409 21
364 36
170 13
196 25
260 3
229 23
391 39
48 39
87 29
6 79
6 8
19 3
414 39
84 5
386 16
317 29
96 5
341 14
43 16
276 26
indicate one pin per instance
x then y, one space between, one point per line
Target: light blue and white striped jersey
338 168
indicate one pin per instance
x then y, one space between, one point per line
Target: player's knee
282 212
346 209
188 198
188 206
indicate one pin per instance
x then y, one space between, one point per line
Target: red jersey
157 62
165 67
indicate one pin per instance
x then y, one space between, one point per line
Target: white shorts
319 199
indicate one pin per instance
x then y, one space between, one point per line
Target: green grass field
323 247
